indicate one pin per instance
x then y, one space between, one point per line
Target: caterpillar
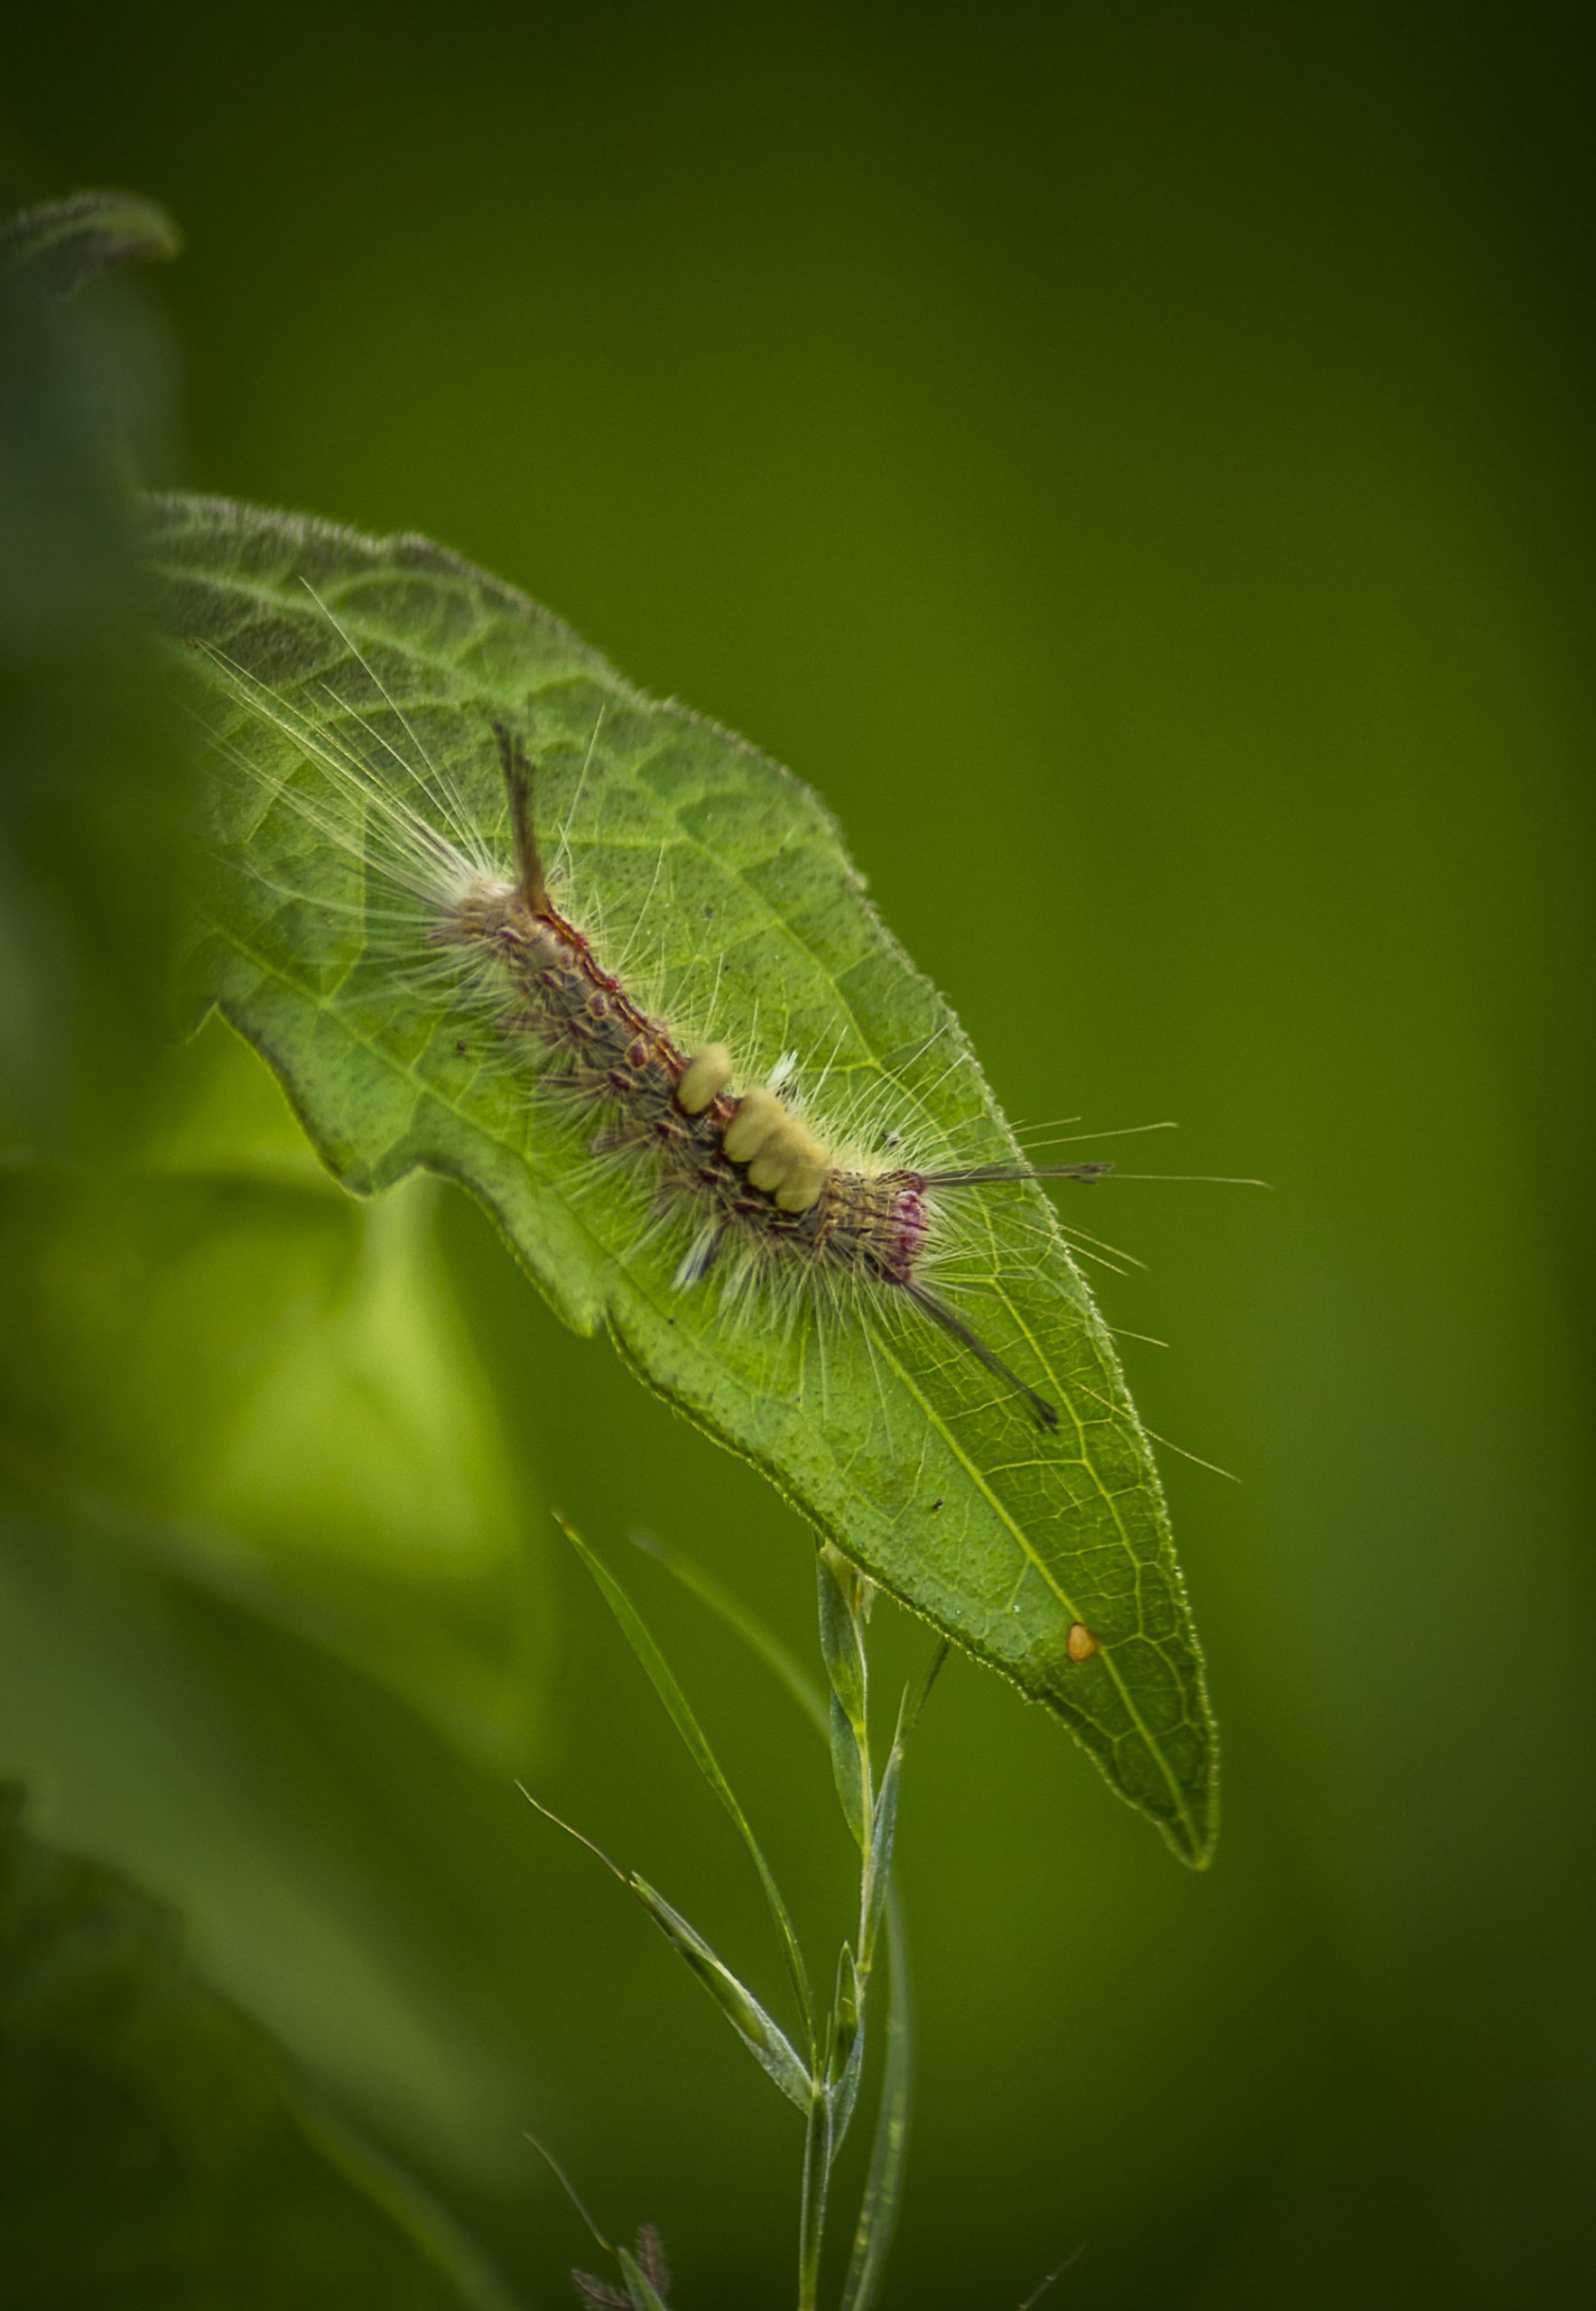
746 1159
767 1197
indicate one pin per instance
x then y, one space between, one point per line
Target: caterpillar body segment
706 1075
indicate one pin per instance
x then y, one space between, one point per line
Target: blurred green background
1135 463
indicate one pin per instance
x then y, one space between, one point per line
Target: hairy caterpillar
769 1197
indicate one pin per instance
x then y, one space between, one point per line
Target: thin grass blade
679 1711
878 1875
777 1657
848 2047
917 1695
768 2044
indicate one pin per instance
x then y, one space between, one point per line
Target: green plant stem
843 1610
817 2181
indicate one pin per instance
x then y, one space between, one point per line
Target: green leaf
153 2146
883 1831
662 1678
847 2062
842 1606
842 1634
849 1772
66 243
688 845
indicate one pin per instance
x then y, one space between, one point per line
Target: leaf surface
719 885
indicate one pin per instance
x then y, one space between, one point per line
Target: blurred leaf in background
154 2147
218 1356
